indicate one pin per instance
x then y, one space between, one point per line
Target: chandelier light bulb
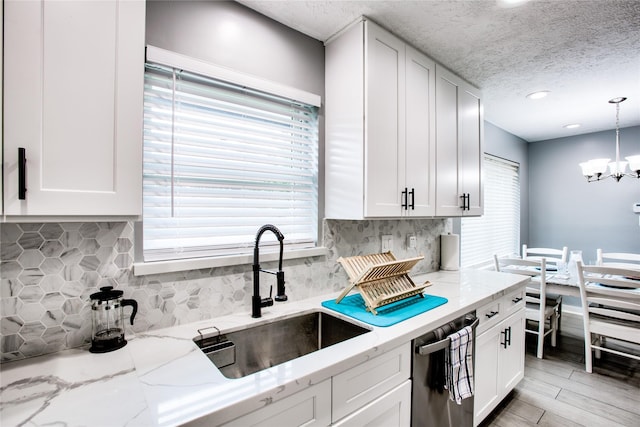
634 163
617 168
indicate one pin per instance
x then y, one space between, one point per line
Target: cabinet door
419 158
459 153
1 94
499 363
384 131
512 356
392 409
73 94
486 374
470 148
448 187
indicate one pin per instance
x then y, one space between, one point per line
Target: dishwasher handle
426 349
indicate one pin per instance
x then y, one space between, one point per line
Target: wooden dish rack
380 278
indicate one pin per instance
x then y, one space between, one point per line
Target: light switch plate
387 242
412 241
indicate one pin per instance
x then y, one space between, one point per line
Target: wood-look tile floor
557 391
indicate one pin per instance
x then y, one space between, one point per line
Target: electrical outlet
412 241
387 242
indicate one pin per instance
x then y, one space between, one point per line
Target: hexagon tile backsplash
48 271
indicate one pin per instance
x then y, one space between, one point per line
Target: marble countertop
161 378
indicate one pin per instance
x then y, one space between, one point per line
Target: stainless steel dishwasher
430 403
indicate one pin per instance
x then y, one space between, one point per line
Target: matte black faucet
256 302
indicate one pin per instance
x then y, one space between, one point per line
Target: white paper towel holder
449 252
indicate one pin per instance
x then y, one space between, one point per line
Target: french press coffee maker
108 319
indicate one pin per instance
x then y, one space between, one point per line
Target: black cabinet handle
516 300
491 314
22 173
404 198
507 337
465 201
412 192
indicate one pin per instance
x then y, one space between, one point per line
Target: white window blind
221 160
498 230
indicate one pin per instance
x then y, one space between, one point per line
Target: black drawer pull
491 314
516 300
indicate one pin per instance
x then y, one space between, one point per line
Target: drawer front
513 301
310 407
358 386
488 315
392 409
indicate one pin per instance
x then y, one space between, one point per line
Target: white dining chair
538 309
618 259
552 256
610 309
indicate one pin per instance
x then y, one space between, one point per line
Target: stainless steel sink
247 351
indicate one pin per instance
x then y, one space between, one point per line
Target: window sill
160 267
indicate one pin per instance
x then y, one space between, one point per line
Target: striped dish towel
459 365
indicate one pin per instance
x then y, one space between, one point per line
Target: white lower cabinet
499 354
374 393
389 410
310 407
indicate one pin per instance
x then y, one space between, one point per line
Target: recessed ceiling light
510 3
538 95
572 126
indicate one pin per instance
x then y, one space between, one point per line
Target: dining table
559 283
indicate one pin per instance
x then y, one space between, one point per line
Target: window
498 230
221 160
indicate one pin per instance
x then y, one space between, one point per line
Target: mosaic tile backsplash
48 271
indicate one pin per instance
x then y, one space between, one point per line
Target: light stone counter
161 378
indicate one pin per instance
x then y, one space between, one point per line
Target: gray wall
229 34
565 210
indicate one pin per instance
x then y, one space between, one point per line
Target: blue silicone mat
354 306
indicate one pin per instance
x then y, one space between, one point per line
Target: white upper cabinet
459 152
73 100
380 148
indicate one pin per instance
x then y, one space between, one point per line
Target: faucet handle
267 302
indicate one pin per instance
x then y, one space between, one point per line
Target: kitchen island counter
161 378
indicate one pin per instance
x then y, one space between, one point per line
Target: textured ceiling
584 51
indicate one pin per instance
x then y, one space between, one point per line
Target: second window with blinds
220 160
498 230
